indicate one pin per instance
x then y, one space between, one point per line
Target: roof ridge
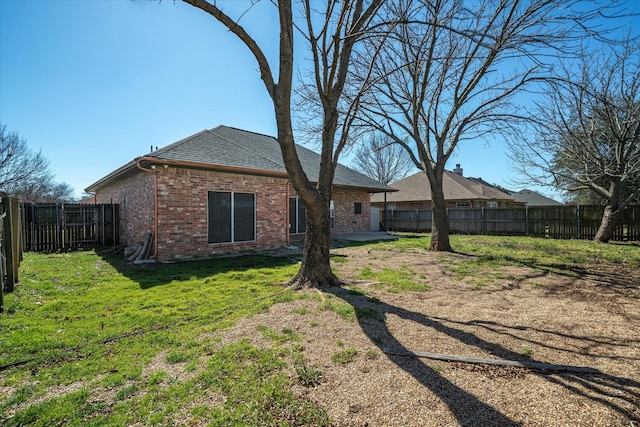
211 131
175 144
244 130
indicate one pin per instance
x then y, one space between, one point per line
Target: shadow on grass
158 274
469 410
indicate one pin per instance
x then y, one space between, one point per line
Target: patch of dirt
173 371
585 317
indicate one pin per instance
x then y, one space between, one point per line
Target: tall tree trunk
316 266
332 53
611 213
439 220
608 224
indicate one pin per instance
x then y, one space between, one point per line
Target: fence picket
557 222
50 227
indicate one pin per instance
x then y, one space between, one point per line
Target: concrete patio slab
367 236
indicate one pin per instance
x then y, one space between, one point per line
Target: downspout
384 221
288 219
155 205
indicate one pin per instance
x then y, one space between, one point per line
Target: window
332 215
492 205
297 216
463 204
232 217
357 208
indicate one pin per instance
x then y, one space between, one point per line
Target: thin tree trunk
439 220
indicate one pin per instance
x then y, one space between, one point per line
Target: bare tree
383 160
45 190
587 134
452 74
331 34
19 165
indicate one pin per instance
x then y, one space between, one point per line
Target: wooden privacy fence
57 226
558 222
49 227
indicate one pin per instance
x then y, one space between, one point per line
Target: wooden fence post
17 239
2 217
11 231
578 225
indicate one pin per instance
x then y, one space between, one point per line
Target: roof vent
458 169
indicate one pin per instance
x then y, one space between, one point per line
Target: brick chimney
458 169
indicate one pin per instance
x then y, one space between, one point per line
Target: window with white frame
232 217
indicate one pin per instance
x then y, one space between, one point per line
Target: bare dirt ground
587 316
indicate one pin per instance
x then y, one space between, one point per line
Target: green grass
343 309
308 376
490 253
278 337
402 279
344 356
266 401
88 325
530 250
93 320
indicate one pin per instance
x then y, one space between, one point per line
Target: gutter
222 168
209 166
251 171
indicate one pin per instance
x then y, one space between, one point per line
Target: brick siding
183 211
134 194
346 220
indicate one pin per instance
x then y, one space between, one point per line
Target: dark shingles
236 148
416 188
226 146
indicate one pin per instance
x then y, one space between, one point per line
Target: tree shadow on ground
158 274
618 393
621 279
586 343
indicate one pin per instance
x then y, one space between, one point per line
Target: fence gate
50 227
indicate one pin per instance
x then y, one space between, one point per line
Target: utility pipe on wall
155 204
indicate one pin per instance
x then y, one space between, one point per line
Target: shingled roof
247 152
415 188
532 198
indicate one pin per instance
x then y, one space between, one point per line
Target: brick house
224 190
414 192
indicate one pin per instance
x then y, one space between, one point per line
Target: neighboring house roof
482 181
238 150
531 198
415 188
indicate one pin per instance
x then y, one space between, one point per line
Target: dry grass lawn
587 316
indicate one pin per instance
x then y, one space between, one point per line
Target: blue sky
96 83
